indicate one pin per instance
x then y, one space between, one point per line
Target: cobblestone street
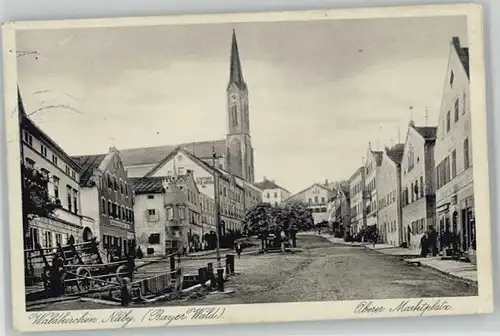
323 272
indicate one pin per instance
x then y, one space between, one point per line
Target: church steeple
235 72
239 158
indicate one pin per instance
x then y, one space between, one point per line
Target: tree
35 199
257 219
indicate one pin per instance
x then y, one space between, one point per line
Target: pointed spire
235 72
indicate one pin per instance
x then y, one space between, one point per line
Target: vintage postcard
247 168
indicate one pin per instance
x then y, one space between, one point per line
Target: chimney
265 178
113 149
411 123
326 182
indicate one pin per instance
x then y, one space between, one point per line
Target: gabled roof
209 168
463 54
147 185
396 152
267 184
356 173
312 185
29 125
428 133
88 164
153 155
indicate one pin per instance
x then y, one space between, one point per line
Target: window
75 201
457 109
58 239
452 78
68 193
43 150
181 171
151 196
30 163
309 201
466 154
47 239
110 182
115 210
453 163
154 239
103 206
45 172
68 170
182 213
151 212
267 195
464 102
275 194
315 199
322 200
55 181
73 174
234 113
448 121
110 208
421 186
54 159
28 138
412 193
115 183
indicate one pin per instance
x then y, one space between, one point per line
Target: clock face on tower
233 97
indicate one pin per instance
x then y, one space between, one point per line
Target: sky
319 91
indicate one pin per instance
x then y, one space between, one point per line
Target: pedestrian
238 250
433 241
424 245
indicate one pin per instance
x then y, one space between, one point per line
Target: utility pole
217 205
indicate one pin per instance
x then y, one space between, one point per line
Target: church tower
239 143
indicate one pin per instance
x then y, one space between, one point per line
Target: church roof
235 71
153 155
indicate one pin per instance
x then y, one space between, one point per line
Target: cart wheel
119 276
83 283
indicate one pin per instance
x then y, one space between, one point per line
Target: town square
231 169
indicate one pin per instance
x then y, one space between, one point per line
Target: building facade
41 154
317 197
453 155
231 195
107 194
272 193
417 183
389 195
357 194
372 164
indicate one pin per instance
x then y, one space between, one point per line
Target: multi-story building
372 164
151 215
107 195
357 197
453 157
316 197
389 195
42 154
168 214
231 195
417 183
253 194
339 208
272 193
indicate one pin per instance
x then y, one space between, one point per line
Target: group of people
429 243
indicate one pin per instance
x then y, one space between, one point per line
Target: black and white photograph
161 165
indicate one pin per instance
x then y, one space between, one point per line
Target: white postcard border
256 313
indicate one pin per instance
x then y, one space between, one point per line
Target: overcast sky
319 91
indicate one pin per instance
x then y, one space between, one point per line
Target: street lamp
216 209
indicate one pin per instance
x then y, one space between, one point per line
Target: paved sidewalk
460 269
463 270
204 253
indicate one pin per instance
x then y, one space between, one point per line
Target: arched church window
234 114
